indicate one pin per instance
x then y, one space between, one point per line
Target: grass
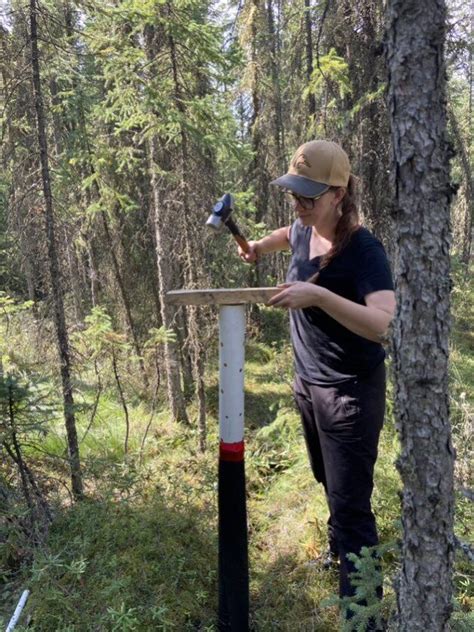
141 552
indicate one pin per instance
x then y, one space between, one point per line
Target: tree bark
59 318
422 197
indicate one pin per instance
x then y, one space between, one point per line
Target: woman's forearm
370 321
366 321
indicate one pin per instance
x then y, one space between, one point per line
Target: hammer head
221 212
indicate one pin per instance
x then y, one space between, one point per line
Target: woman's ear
339 194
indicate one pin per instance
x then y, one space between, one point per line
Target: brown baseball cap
316 166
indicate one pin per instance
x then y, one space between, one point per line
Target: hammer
221 215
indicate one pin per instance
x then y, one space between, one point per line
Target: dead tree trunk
59 318
421 206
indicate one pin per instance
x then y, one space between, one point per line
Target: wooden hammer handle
239 238
242 243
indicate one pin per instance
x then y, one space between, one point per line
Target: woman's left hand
298 295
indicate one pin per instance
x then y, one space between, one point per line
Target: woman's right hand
252 255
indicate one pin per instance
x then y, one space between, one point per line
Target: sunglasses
305 202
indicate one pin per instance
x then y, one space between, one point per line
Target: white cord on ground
18 610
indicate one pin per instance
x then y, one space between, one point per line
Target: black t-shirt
325 351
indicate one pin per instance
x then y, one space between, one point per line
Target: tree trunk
73 269
122 399
421 206
373 127
59 319
463 153
278 128
111 246
258 169
357 38
192 257
175 392
92 268
198 355
309 55
17 216
163 244
258 173
123 293
278 165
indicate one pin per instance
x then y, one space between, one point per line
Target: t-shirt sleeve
373 270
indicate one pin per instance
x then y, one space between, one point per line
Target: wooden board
237 296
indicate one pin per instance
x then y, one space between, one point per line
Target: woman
340 295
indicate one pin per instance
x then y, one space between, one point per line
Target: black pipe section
233 548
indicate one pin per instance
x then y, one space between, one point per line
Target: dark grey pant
341 425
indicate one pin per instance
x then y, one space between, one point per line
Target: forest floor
140 553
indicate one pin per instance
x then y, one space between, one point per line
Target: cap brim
301 185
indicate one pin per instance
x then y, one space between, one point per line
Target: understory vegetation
140 551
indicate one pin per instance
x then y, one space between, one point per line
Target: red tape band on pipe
231 451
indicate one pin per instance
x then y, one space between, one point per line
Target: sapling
106 345
363 611
158 337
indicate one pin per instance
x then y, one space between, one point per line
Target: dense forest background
121 124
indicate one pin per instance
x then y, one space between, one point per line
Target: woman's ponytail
347 224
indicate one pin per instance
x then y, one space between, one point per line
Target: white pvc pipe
18 611
231 372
